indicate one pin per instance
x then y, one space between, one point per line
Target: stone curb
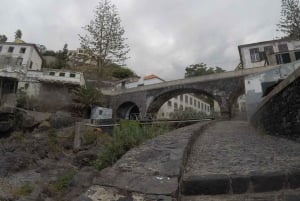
255 182
154 168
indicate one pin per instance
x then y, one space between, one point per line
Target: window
0 48
62 74
181 98
191 101
7 60
30 66
100 112
72 74
169 103
181 107
283 58
283 48
22 50
26 86
202 106
19 61
175 106
52 73
254 54
186 99
195 103
268 50
297 55
11 49
198 104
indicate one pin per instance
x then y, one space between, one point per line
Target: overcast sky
165 36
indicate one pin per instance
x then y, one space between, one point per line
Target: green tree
87 96
105 39
201 69
62 57
3 38
18 34
122 73
289 23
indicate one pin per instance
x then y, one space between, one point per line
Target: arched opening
183 103
128 110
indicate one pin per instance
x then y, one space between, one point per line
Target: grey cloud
165 36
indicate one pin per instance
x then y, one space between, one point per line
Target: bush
128 135
89 137
23 190
63 181
187 114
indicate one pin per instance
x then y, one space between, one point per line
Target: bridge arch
127 109
164 96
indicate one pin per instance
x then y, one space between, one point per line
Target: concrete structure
222 87
283 54
178 103
21 69
278 113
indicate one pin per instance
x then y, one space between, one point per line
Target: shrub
23 190
126 136
63 181
89 137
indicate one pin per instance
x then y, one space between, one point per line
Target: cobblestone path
233 147
231 157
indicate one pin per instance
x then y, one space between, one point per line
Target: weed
63 181
23 190
89 137
128 135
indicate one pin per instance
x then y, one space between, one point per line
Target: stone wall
279 112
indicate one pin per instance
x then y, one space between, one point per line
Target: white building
21 69
183 102
273 52
179 103
282 54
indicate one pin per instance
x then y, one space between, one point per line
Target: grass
23 190
63 181
128 135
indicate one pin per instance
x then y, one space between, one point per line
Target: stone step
283 195
236 184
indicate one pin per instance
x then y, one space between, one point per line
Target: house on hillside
21 70
283 55
273 52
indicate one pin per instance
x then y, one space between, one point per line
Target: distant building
180 103
273 52
282 54
21 69
80 57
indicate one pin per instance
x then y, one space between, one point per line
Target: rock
84 158
45 125
61 119
84 177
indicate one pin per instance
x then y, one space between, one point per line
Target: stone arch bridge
225 88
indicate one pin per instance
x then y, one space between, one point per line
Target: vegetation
23 190
63 181
290 19
201 69
87 97
104 40
61 58
89 137
187 114
122 73
18 34
3 38
25 101
128 135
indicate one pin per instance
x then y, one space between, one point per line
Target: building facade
282 55
21 70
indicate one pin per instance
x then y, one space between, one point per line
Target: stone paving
283 195
232 156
